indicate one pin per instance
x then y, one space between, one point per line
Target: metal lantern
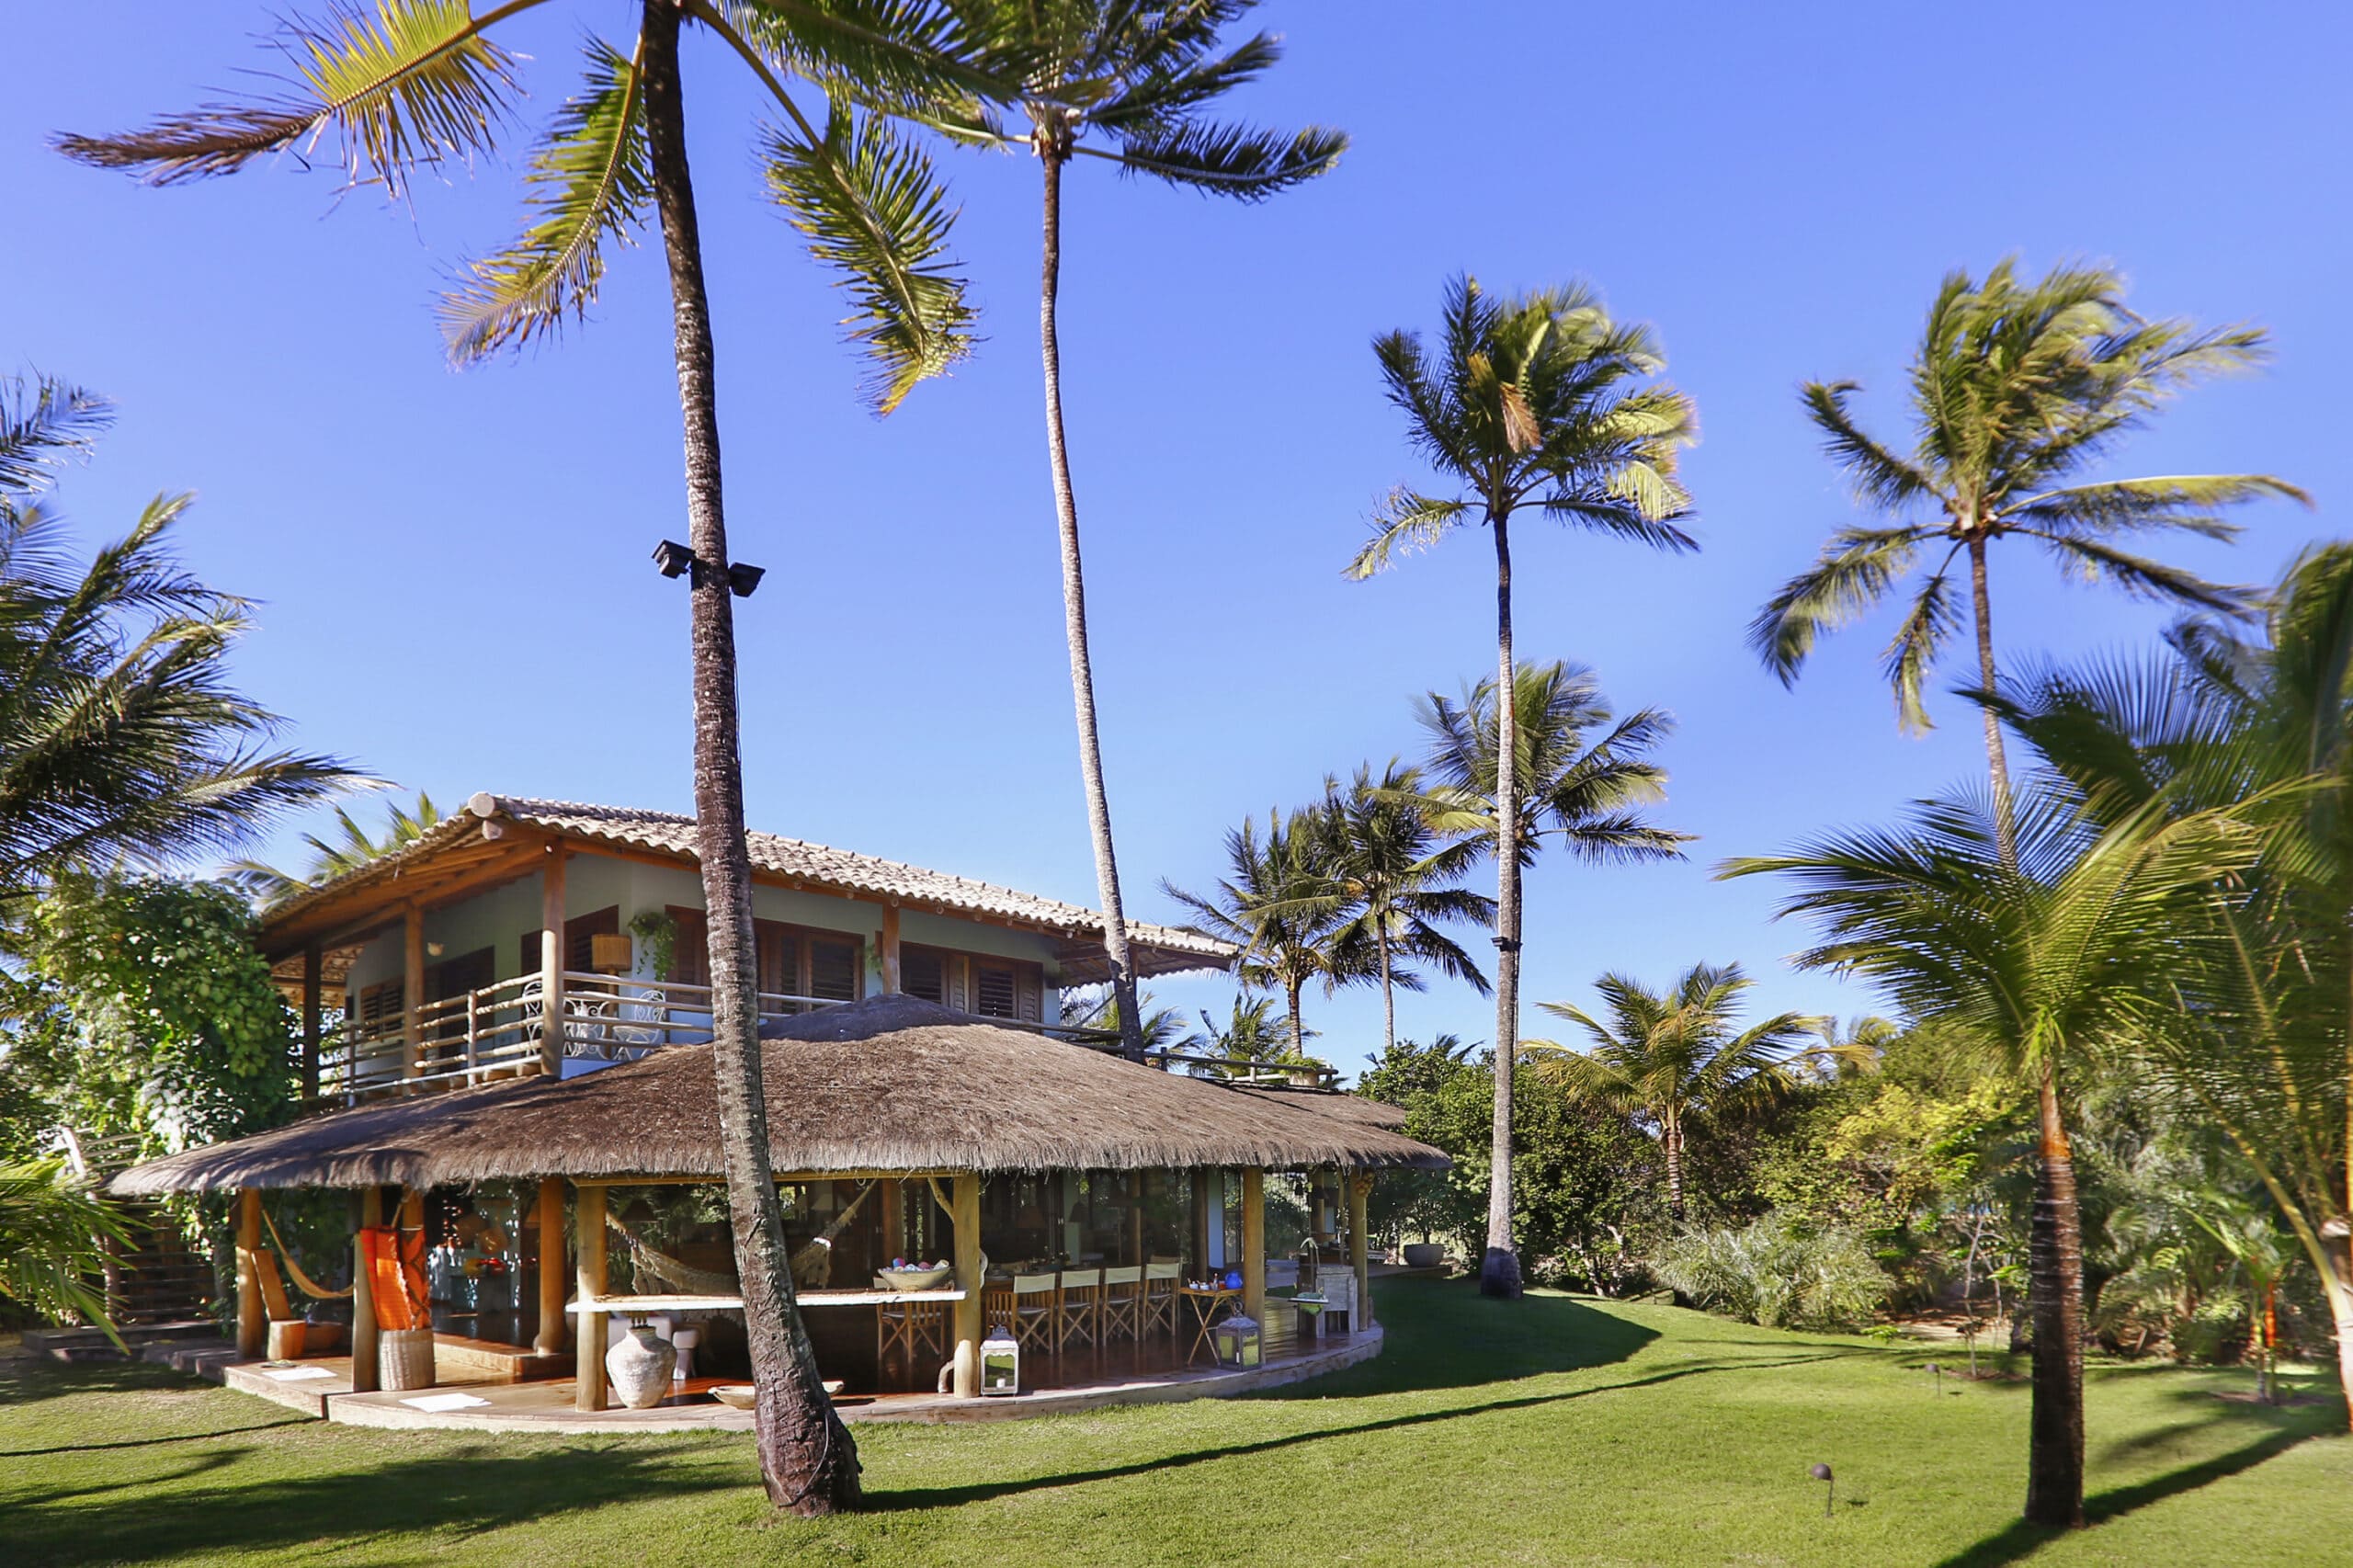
1000 1363
1239 1343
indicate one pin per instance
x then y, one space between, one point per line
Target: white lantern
1000 1363
1238 1342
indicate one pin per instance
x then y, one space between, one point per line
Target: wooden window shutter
922 972
778 959
996 992
834 969
1032 994
690 954
580 933
960 996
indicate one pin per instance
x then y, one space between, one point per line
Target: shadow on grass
31 1381
467 1490
290 1420
951 1496
2022 1539
1444 1335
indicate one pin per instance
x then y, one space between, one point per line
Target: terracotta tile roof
1163 949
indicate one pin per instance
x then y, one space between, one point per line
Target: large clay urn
640 1366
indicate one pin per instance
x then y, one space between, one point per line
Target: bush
1772 1273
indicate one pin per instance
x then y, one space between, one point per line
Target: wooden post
253 1323
894 1219
551 1005
311 977
1199 1262
363 1296
891 948
549 1341
589 1340
1253 1244
1359 1249
413 991
967 1221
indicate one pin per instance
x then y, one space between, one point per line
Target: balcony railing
501 1032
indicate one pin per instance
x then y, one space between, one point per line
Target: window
794 960
974 983
579 941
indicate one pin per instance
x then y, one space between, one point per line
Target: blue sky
452 567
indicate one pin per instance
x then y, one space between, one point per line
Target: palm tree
1397 877
1537 403
1254 1031
2263 1052
120 737
1667 1057
54 1233
1126 86
2051 944
330 858
1159 1028
1564 782
1855 1048
1279 905
2015 390
421 81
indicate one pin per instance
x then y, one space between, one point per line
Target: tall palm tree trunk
807 1459
2055 1238
1388 990
1997 761
1499 1270
1052 141
1292 989
1674 1141
2054 1487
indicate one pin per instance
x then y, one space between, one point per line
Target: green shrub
1772 1273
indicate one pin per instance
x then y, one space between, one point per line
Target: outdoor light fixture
1822 1472
1000 1363
1239 1343
1938 1373
674 560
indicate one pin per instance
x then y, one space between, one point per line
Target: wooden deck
1081 1380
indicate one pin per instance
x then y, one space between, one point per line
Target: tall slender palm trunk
808 1461
2054 1493
2054 1486
1499 1270
1674 1150
1053 148
1388 991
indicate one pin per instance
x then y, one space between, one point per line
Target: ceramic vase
639 1367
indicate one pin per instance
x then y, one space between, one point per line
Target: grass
1556 1431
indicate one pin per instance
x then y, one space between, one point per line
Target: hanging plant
657 934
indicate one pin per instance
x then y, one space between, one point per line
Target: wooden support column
1253 1244
1359 1248
589 1340
967 1335
894 1219
312 964
551 999
413 991
363 1296
891 948
549 1341
253 1323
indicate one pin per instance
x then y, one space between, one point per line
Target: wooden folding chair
1078 1307
1035 1316
1123 1302
1158 1313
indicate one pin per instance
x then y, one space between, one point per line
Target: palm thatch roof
889 1084
491 837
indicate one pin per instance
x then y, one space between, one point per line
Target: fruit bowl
916 1278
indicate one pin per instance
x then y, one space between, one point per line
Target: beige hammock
813 1263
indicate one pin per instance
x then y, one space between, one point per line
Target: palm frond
874 209
44 423
2093 560
1403 522
2183 501
1239 161
413 83
1855 571
1935 616
589 183
1888 482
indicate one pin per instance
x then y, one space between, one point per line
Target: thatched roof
456 851
889 1084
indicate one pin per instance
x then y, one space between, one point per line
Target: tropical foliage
53 1236
120 735
1773 1273
353 847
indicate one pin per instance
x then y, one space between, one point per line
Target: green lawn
1554 1431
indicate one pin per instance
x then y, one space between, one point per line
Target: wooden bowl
916 1279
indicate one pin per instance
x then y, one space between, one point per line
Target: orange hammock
396 1267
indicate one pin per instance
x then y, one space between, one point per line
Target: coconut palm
1669 1057
1124 85
2263 1054
120 737
1398 878
1856 1047
1280 905
330 858
1159 1028
2016 390
2050 944
416 83
54 1235
1542 403
1254 1032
